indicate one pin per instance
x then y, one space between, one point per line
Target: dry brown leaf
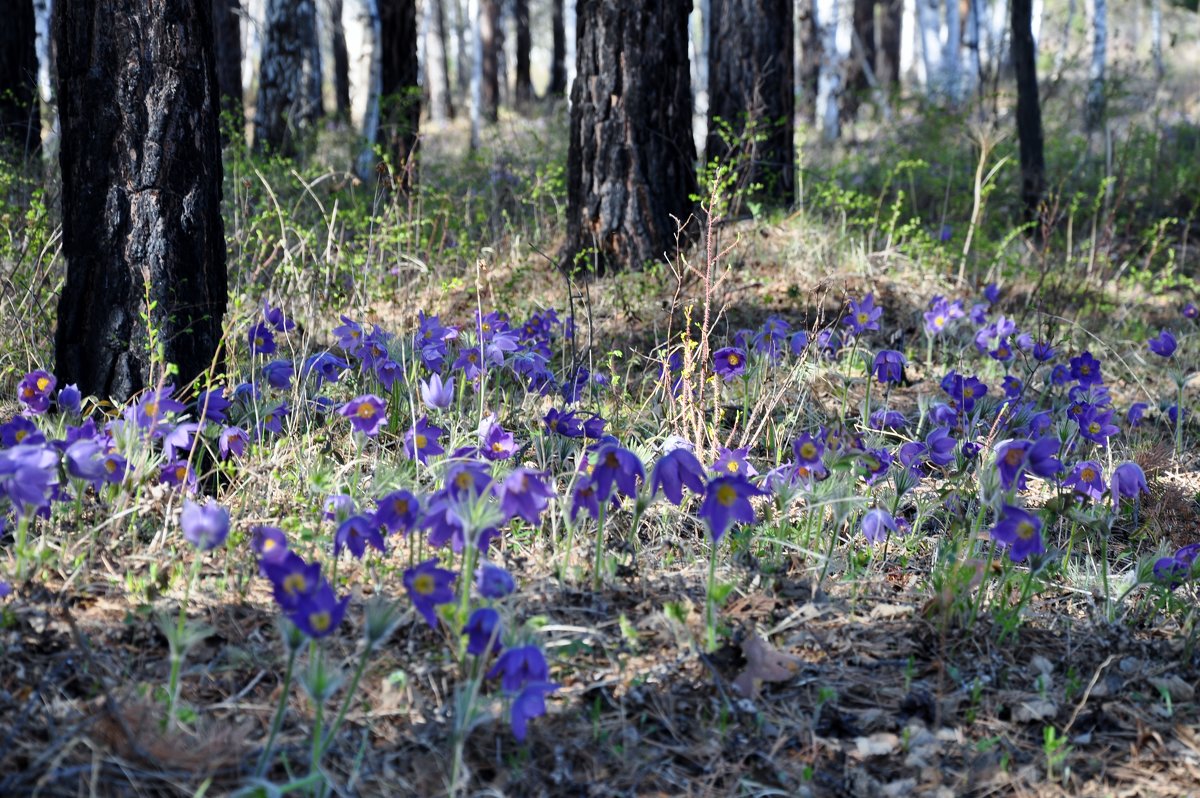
763 664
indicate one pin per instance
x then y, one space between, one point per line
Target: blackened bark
558 51
141 192
810 60
750 89
289 84
19 120
887 59
862 56
437 63
227 38
1029 109
524 87
631 158
341 61
401 94
489 37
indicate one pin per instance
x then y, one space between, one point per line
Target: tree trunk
524 86
862 58
437 64
929 23
289 85
971 72
558 50
887 60
489 51
810 60
341 59
464 26
227 38
751 90
401 94
1029 109
829 78
1093 114
631 158
46 79
1156 38
141 194
363 33
19 120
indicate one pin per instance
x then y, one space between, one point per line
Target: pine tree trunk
489 48
751 90
289 85
1029 109
341 60
631 159
810 60
401 95
437 64
891 31
1093 115
141 193
523 91
862 56
19 120
558 50
227 38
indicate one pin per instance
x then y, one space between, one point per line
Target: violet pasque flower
398 511
1164 344
1085 369
524 494
619 467
355 533
497 443
278 374
674 471
529 703
261 340
519 666
1128 480
733 461
889 366
206 525
366 413
435 393
34 391
268 543
493 581
70 400
483 631
1086 479
726 501
1019 530
319 612
863 315
729 362
421 440
291 579
877 525
428 586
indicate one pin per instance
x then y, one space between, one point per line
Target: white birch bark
971 67
474 7
911 66
1095 102
47 101
436 66
829 79
361 23
1156 36
569 29
952 52
929 27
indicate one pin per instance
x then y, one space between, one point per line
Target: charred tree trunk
862 56
1029 109
289 86
891 31
489 48
524 86
750 89
19 119
341 60
227 38
437 64
141 193
558 50
631 158
400 90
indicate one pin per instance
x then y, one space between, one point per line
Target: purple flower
874 464
1015 458
85 460
619 467
398 512
5 589
529 703
34 391
1134 416
21 430
888 419
421 440
212 404
319 612
154 406
524 494
355 533
1096 425
497 443
965 391
178 438
291 579
584 497
268 543
1128 480
863 316
517 667
178 473
1189 310
941 445
1020 531
733 461
206 525
991 293
593 427
729 362
262 340
1042 351
1086 479
1012 387
428 586
279 374
70 400
727 500
889 366
115 467
674 471
366 413
483 632
1176 569
563 423
326 366
1085 369
807 449
27 474
435 393
337 507
493 581
876 525
941 312
232 441
1164 344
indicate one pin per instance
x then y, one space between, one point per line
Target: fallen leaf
763 664
1035 709
890 612
879 744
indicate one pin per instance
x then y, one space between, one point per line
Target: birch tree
363 29
1094 105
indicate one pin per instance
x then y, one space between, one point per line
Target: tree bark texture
19 119
1029 109
437 64
891 31
1094 106
289 85
810 60
227 38
631 156
141 192
363 31
750 88
558 50
489 41
341 60
401 94
862 56
523 91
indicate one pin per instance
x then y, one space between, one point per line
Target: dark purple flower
1012 387
493 581
616 467
1164 344
1020 531
563 423
232 441
178 473
1042 351
212 404
355 533
497 443
467 477
1086 479
367 414
70 400
85 460
291 579
1085 369
524 494
726 501
876 525
593 427
483 631
428 586
262 340
863 316
21 430
323 367
206 525
1134 416
991 293
888 419
807 449
889 366
275 317
268 543
729 362
674 471
421 440
278 374
965 391
398 512
154 406
319 612
584 497
733 461
874 464
519 666
941 445
1189 310
1128 480
529 703
34 391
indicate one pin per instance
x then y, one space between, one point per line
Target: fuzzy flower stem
710 609
277 722
597 564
